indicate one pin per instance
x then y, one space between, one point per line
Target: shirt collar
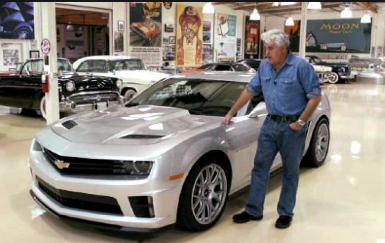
290 58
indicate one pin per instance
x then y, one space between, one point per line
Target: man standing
292 92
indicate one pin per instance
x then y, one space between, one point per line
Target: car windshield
317 60
37 66
198 96
126 64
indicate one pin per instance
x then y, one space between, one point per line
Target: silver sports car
164 158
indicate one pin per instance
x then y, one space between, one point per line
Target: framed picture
120 25
171 40
34 54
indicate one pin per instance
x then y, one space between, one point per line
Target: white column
302 39
48 31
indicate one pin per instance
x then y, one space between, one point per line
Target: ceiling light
289 22
287 3
366 19
346 13
208 8
255 15
314 5
275 4
70 27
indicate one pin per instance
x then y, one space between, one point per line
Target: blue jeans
276 137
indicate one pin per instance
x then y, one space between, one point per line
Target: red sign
45 46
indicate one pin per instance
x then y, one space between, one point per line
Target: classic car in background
76 92
335 46
16 20
132 71
165 158
147 30
340 70
221 66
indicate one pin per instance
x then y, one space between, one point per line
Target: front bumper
165 197
94 102
346 75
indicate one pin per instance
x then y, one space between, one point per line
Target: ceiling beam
221 3
367 5
247 6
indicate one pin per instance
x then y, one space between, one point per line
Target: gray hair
277 37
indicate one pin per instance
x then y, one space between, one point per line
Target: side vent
69 124
142 136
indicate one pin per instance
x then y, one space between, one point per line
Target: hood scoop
142 136
69 124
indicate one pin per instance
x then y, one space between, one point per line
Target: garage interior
342 201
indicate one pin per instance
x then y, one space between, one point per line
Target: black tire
319 145
188 216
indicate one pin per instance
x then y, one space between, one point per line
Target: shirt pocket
266 79
286 81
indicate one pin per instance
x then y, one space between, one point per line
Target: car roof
105 57
243 77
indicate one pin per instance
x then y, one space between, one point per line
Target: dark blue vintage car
23 89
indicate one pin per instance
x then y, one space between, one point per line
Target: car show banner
146 24
189 36
225 40
17 20
335 35
252 29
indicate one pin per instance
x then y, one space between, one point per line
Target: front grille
93 167
81 201
91 98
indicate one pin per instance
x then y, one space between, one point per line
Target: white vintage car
132 71
325 73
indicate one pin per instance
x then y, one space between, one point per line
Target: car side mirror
258 110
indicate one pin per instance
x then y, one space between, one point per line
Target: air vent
142 136
69 124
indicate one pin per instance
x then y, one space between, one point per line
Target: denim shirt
287 91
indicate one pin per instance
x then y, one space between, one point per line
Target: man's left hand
295 126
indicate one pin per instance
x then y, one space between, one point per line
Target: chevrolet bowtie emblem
60 164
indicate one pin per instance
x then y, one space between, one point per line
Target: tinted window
203 97
220 67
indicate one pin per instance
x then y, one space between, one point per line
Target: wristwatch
301 122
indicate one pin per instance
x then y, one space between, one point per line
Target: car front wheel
203 196
42 107
333 78
319 144
129 93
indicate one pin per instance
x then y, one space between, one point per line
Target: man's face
275 54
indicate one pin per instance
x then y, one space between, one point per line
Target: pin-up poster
189 36
225 40
145 24
294 32
16 20
252 30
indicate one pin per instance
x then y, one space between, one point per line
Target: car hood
138 125
142 76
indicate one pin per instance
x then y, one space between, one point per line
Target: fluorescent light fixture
287 3
275 4
255 15
346 13
289 22
366 19
208 8
314 5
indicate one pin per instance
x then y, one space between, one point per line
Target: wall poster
294 32
145 24
252 30
189 36
16 20
225 40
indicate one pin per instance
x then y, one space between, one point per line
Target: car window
206 66
33 66
98 66
241 68
200 97
83 67
126 64
64 65
221 67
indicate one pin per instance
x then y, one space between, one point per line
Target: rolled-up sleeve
309 80
254 86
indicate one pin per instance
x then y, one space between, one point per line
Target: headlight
137 167
70 86
119 83
36 146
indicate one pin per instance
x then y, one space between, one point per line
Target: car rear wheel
203 197
319 144
129 93
343 48
333 78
